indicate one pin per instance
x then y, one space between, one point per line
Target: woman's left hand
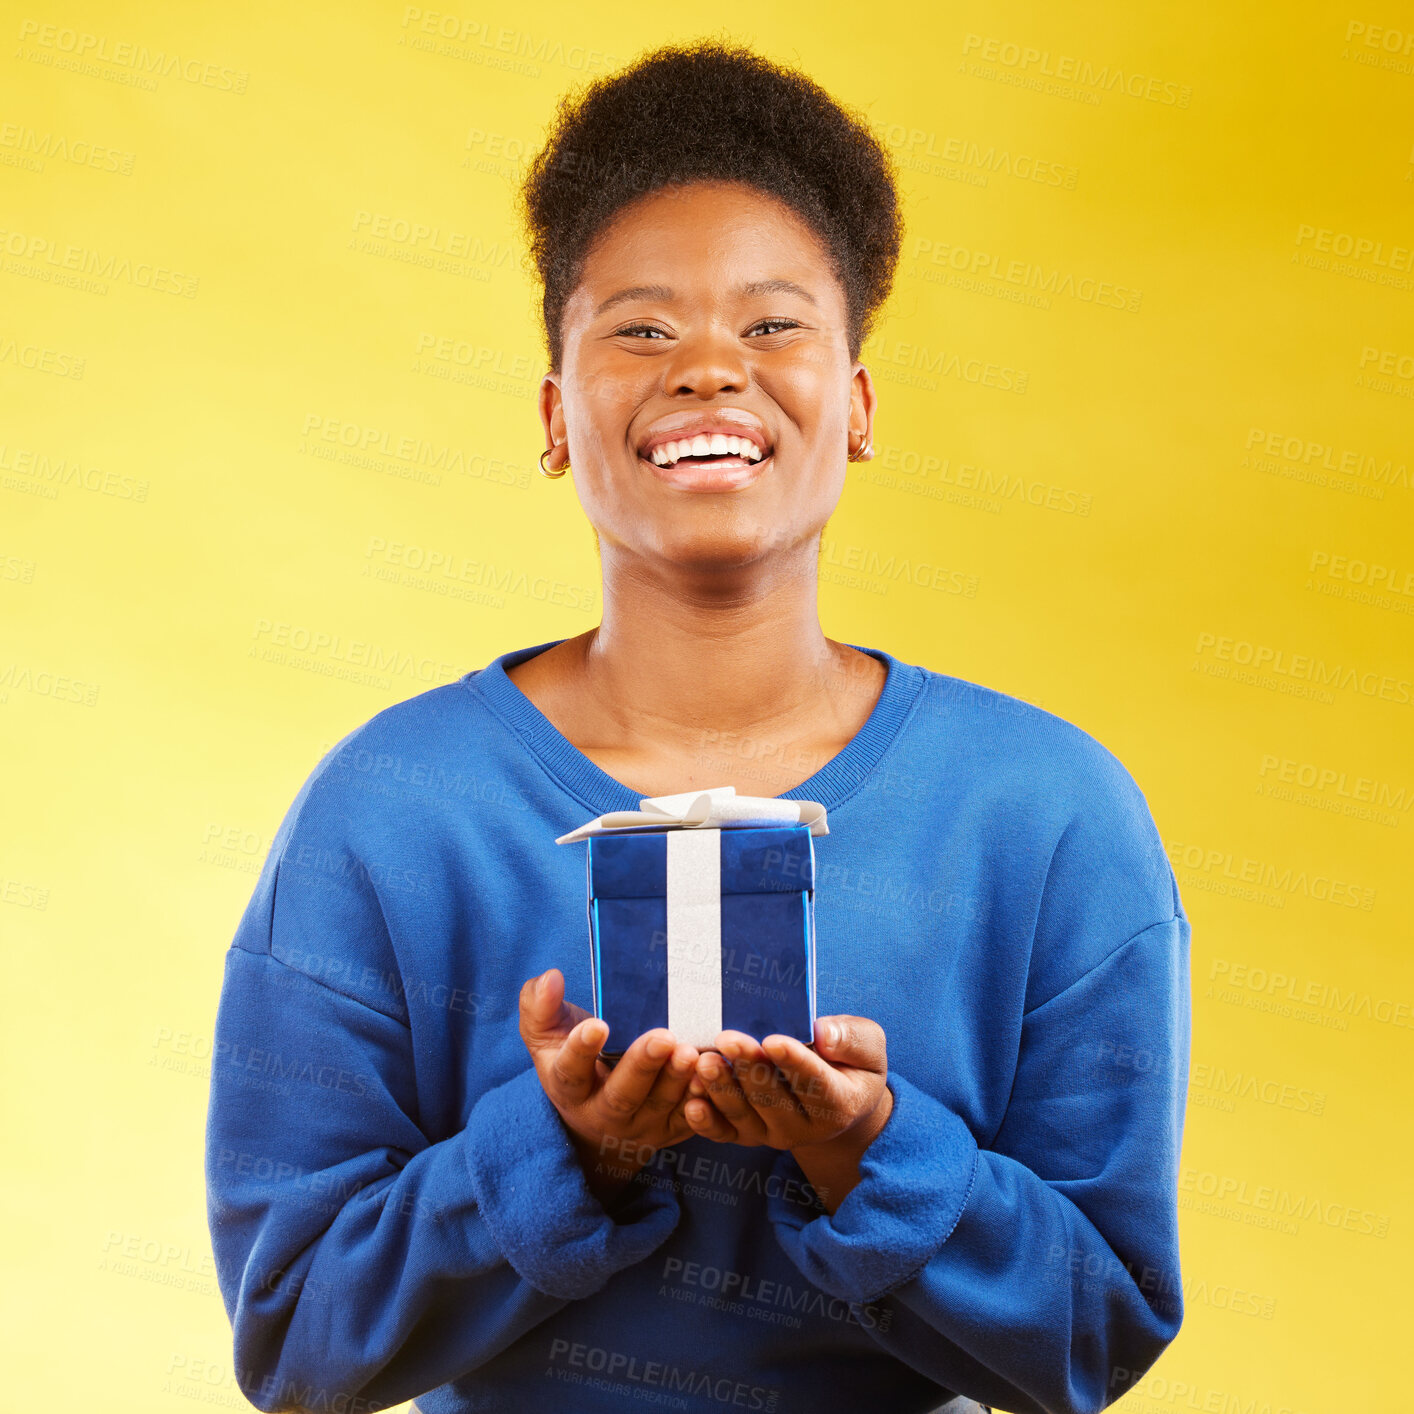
826 1106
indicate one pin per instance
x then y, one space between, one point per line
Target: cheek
599 397
813 392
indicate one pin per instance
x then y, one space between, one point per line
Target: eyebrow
635 292
777 287
756 287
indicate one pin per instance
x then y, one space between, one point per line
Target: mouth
708 462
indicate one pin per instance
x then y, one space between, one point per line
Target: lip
728 474
730 422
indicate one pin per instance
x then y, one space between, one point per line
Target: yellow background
203 585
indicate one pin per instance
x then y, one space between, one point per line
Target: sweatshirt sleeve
1039 1274
361 1258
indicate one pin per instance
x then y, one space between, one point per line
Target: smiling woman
960 1188
652 374
762 360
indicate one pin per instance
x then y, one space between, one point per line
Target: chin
726 546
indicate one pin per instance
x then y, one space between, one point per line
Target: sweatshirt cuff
915 1179
532 1192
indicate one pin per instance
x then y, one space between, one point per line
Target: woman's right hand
617 1118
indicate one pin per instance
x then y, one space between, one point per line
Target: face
707 311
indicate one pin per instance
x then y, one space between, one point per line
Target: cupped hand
617 1118
826 1106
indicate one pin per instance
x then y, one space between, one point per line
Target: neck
681 656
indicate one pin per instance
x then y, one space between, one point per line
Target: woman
423 1182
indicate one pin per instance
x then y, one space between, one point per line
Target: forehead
704 237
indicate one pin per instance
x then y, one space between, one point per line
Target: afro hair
712 111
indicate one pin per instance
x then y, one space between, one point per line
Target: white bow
705 809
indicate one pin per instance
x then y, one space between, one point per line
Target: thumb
852 1040
540 1000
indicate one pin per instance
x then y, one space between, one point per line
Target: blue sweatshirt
396 1208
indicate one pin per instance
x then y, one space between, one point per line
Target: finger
672 1080
852 1040
708 1122
763 1085
540 1000
545 1017
720 1085
573 1069
814 1082
634 1076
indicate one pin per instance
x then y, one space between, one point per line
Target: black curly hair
712 111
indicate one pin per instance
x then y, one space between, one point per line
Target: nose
705 364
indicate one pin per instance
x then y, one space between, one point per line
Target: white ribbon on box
692 821
705 809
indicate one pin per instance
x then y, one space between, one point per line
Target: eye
640 329
772 326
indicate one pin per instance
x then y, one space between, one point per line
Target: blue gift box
703 929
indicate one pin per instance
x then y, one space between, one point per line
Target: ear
552 419
862 402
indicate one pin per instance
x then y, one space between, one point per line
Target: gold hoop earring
551 475
863 452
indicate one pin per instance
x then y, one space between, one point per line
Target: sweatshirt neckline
831 785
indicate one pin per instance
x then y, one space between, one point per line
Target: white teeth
715 444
